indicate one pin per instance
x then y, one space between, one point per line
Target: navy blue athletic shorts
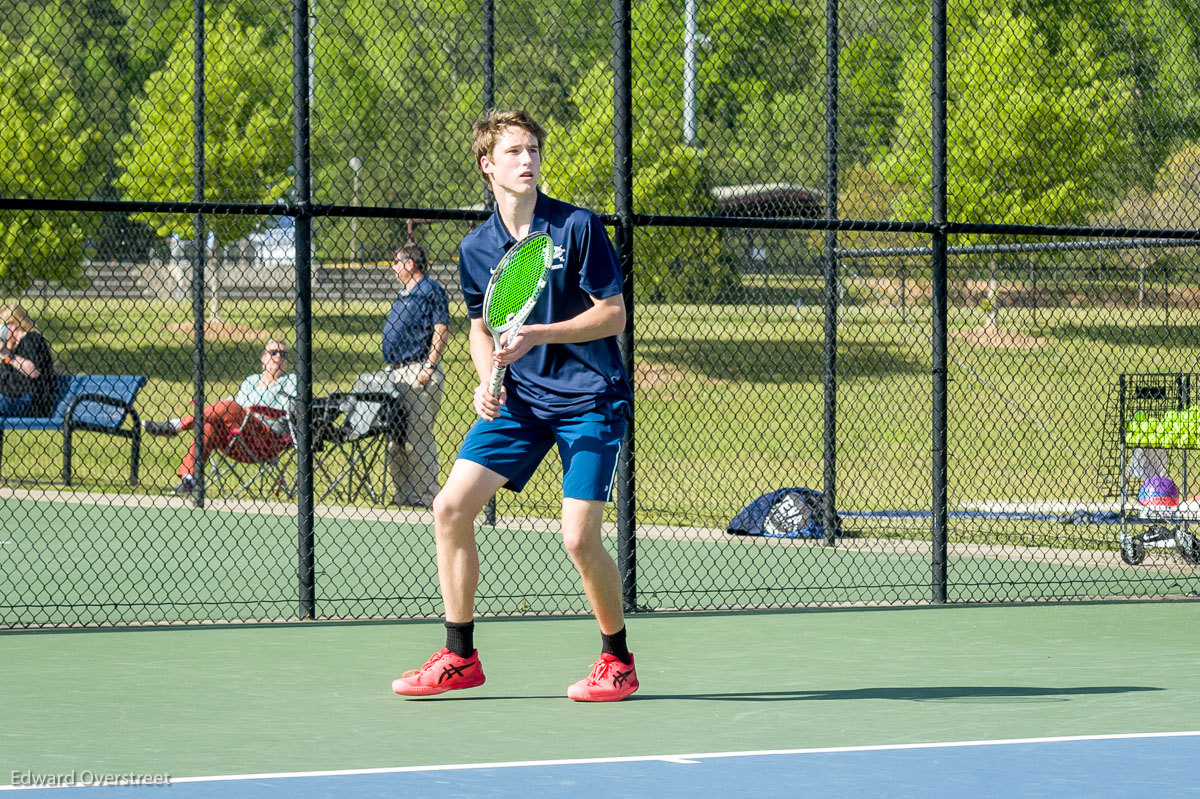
589 445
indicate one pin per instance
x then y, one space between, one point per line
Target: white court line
681 759
693 758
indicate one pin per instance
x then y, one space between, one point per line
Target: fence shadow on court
916 693
940 693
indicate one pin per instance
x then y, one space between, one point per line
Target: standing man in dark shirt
26 366
414 339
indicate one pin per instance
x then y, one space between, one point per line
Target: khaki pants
412 464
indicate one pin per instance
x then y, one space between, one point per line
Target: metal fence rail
899 255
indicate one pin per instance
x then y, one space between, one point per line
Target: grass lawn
729 399
729 404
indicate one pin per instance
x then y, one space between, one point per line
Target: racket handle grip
498 373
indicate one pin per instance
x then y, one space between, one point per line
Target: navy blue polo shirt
555 380
408 331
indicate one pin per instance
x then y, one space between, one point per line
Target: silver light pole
355 166
690 41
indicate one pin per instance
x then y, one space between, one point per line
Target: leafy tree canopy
1033 135
247 127
47 149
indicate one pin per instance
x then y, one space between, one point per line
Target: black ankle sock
460 638
615 645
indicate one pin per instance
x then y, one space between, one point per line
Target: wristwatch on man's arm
427 365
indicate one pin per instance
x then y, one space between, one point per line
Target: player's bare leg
613 677
466 491
581 520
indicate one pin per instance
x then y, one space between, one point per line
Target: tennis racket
513 291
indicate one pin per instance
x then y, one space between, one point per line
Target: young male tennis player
566 386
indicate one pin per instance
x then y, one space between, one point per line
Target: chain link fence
901 255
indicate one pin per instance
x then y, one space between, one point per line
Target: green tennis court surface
310 697
84 563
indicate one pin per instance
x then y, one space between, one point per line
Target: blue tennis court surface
1159 765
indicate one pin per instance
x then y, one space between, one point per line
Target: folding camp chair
247 466
351 432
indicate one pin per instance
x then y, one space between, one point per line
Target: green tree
397 84
1037 132
384 84
1033 136
247 131
47 149
1153 43
761 94
105 50
83 39
875 37
1172 202
869 72
672 264
544 53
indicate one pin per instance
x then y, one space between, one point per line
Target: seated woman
26 366
274 387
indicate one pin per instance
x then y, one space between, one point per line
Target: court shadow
477 698
947 693
967 693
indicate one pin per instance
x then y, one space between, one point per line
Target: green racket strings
518 282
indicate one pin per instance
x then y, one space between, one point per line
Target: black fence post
301 132
199 238
489 54
489 102
938 264
832 273
623 201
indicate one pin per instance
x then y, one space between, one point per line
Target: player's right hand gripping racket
513 291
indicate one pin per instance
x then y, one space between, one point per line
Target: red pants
256 443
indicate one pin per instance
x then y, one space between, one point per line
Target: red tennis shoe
610 681
444 671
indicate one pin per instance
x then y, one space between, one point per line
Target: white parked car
272 246
275 244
